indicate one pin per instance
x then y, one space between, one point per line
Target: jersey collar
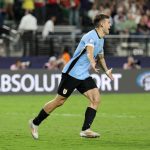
97 34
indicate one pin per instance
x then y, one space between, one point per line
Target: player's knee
96 101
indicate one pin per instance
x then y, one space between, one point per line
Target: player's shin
89 117
40 117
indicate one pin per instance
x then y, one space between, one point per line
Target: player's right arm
90 52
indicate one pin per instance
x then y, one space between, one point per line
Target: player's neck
100 32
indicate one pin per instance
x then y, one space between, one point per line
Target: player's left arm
104 66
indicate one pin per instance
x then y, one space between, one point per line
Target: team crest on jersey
91 40
65 91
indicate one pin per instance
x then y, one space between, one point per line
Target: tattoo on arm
101 56
102 62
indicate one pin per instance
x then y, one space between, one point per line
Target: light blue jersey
79 65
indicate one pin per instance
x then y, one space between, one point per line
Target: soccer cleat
89 134
34 129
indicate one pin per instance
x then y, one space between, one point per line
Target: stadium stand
130 32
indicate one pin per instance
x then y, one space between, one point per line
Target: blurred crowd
53 63
127 16
57 63
132 63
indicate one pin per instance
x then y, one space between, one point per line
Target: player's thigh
67 85
86 85
89 88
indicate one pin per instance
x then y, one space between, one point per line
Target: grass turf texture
123 121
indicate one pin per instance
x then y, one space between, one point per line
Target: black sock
41 116
89 117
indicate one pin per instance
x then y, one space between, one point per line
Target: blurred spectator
78 12
137 16
93 12
49 27
142 27
100 8
28 27
65 55
135 9
28 5
52 8
64 6
18 65
119 19
129 26
55 64
51 64
107 11
84 7
64 58
18 11
132 7
2 10
131 64
9 9
74 18
91 3
148 19
40 11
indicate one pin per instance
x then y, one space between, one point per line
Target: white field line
101 115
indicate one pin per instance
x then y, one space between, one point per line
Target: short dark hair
98 18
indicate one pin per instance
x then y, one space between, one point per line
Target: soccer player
75 75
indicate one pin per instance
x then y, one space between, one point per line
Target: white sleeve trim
88 44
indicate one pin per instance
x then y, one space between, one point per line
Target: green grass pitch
122 120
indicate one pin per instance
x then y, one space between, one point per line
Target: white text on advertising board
48 83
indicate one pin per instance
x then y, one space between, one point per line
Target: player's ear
102 23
